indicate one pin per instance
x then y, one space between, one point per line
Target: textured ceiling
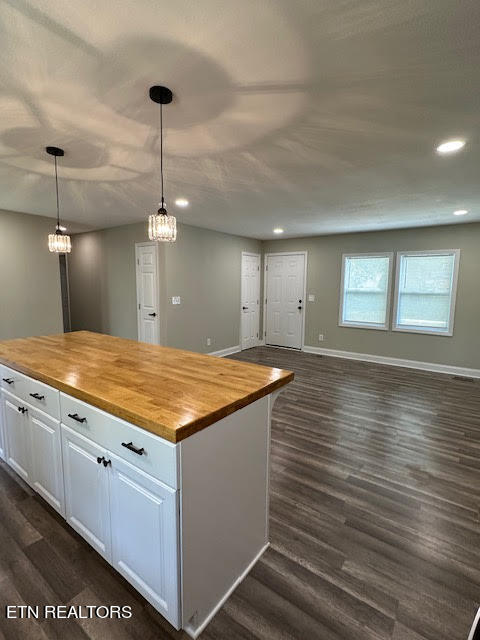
319 116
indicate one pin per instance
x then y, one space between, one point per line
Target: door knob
244 308
152 314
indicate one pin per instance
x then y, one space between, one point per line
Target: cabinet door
144 517
86 490
3 454
47 472
17 436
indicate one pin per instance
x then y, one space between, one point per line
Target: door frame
259 256
265 291
157 285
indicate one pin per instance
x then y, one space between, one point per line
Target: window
365 290
425 292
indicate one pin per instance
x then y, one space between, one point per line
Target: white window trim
367 325
424 330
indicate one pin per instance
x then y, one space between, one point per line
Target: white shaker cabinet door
17 436
144 517
47 472
86 490
3 453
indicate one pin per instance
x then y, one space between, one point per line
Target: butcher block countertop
169 392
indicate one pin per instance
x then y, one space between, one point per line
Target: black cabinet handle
76 417
129 445
8 380
100 460
37 397
106 463
152 314
299 308
22 409
244 308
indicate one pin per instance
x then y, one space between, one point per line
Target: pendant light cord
161 151
56 189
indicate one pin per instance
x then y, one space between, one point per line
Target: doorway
250 301
148 295
284 309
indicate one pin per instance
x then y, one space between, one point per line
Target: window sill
358 325
428 332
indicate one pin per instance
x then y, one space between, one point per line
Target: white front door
147 293
250 300
285 304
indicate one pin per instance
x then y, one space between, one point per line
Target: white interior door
147 293
250 300
285 304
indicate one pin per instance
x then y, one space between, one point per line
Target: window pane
425 291
365 289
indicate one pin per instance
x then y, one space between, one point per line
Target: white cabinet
46 456
144 520
86 490
17 436
2 432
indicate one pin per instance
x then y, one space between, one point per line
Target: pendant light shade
58 242
161 226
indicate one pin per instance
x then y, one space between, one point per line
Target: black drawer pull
129 445
37 397
76 417
22 409
8 380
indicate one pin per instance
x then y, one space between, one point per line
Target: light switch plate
311 297
176 300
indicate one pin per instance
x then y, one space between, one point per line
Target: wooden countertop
169 392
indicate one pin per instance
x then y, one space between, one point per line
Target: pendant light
161 226
58 242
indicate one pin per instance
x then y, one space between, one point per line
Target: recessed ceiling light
450 146
460 212
181 202
278 230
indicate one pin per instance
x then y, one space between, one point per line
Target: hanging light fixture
161 226
58 242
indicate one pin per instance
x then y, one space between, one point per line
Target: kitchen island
158 457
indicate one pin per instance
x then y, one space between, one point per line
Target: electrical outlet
209 342
321 337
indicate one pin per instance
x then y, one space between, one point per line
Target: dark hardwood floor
375 494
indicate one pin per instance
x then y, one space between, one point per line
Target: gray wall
203 267
29 277
323 280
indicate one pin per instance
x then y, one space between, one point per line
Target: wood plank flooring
375 495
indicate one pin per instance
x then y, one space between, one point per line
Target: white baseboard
396 362
194 633
225 352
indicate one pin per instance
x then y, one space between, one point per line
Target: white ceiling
319 116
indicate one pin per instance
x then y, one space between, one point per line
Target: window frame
453 294
367 325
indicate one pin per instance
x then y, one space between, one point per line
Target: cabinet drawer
39 395
155 455
42 397
13 381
